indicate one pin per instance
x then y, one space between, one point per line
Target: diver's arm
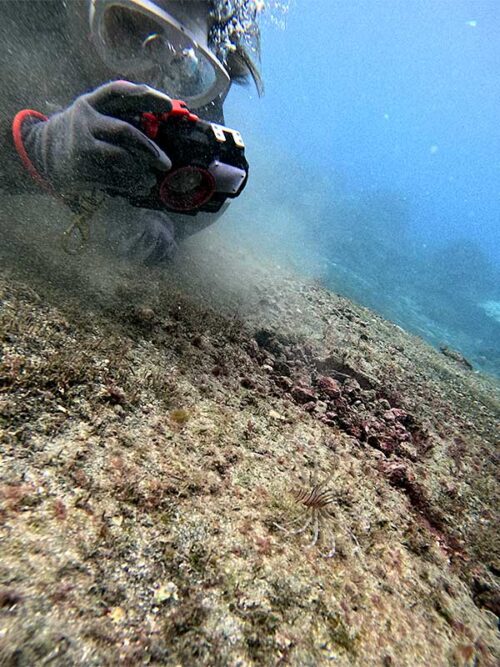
26 29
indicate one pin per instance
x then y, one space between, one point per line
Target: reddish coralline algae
328 386
303 394
357 412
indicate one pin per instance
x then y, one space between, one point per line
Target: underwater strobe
208 162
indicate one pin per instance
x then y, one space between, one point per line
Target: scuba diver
75 76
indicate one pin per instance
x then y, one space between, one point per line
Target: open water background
375 157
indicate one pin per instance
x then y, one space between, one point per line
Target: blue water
378 145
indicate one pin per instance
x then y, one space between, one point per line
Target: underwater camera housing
208 162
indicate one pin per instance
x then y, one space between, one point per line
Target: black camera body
208 162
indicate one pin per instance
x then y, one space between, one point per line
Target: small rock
253 348
199 341
9 597
329 421
395 414
354 431
284 382
398 474
144 314
450 489
303 394
329 386
115 395
166 592
179 416
321 407
456 356
247 382
389 416
282 368
351 386
117 615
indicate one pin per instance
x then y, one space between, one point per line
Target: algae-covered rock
328 496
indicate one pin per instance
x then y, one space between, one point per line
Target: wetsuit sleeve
24 29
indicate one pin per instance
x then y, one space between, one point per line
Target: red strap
150 122
17 125
179 108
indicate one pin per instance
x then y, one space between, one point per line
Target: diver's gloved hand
138 234
89 145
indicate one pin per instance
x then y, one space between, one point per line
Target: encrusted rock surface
155 429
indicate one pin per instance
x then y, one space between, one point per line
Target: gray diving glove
90 145
138 234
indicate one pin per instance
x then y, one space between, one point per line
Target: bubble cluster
233 22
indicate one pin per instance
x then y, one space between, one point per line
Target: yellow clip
79 226
85 207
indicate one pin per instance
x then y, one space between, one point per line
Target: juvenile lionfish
315 501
